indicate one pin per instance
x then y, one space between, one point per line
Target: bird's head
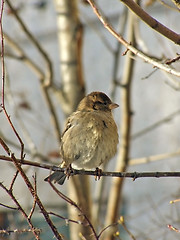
96 101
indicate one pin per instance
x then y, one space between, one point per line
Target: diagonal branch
151 22
137 52
71 202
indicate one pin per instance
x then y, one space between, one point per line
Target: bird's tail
56 177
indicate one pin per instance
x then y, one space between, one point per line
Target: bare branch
154 158
121 221
6 206
71 202
133 175
173 60
138 53
151 22
13 181
125 129
67 220
19 231
173 228
174 201
3 83
34 203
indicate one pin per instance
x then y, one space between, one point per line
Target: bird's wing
80 138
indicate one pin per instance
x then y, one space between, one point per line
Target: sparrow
90 137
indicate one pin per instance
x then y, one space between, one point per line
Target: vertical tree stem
123 156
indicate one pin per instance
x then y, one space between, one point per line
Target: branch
34 203
115 195
138 53
67 220
154 158
133 175
151 22
173 228
9 207
19 231
121 221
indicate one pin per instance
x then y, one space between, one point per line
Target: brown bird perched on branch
90 137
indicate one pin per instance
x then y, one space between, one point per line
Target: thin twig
6 206
13 181
67 220
104 229
19 231
71 202
149 74
168 5
173 60
3 83
171 227
154 158
174 201
34 203
121 221
10 193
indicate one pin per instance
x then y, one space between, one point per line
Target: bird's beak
113 105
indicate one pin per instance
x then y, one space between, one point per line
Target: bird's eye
99 105
98 102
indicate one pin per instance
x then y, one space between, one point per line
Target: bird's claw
98 174
69 171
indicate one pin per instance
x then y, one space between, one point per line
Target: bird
90 137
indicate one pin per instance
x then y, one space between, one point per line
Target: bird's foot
98 173
69 171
